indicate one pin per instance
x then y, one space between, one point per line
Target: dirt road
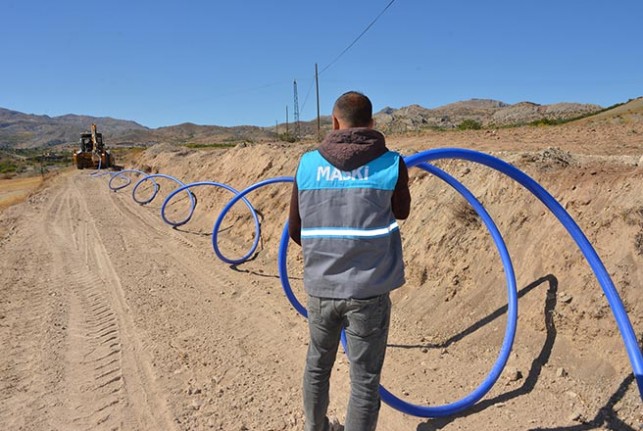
110 320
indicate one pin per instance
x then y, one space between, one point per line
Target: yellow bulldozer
92 153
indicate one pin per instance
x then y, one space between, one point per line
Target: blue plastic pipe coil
229 205
155 192
255 243
419 160
128 180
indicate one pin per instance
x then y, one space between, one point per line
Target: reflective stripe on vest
344 232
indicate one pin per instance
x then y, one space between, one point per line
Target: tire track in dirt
157 333
31 327
215 333
93 377
75 361
114 333
149 217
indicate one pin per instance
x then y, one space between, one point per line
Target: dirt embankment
101 301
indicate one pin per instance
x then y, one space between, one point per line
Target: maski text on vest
330 173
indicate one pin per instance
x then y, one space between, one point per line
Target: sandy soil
110 319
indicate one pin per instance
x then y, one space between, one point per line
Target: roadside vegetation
15 162
469 124
213 145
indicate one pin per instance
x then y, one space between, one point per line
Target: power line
344 52
310 87
341 54
357 38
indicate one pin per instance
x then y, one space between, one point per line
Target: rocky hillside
487 113
482 112
27 130
19 130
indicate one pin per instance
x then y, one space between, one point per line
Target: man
345 201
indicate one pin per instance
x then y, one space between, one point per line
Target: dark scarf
348 149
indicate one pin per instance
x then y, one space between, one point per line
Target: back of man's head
353 109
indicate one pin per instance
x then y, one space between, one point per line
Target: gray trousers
366 322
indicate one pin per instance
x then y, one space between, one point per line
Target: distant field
16 190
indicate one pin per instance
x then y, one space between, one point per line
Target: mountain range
20 130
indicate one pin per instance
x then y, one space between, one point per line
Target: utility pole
317 90
297 131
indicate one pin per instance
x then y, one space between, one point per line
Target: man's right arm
401 200
294 219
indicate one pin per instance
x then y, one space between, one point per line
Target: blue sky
233 63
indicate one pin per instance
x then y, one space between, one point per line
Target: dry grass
16 190
631 111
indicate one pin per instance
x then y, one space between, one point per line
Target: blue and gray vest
350 239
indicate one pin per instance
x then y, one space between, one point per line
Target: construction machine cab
86 142
89 143
92 152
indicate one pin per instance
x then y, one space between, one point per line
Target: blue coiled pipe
229 205
283 272
156 188
99 173
625 327
214 243
512 311
155 192
96 172
128 180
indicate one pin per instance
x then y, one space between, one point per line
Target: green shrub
548 122
469 124
6 166
287 137
211 145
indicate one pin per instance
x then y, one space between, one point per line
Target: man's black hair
354 108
